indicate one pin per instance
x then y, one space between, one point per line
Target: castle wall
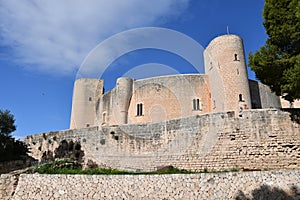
169 97
83 102
262 96
107 111
282 184
261 139
225 64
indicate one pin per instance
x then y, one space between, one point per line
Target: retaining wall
261 139
257 185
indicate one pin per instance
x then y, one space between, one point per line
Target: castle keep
223 87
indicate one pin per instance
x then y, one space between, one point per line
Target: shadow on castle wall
266 192
65 150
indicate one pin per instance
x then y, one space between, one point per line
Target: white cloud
55 36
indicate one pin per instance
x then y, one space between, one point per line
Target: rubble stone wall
8 184
282 184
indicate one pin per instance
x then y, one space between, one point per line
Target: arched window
236 57
240 97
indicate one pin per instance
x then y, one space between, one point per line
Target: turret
225 64
83 102
123 96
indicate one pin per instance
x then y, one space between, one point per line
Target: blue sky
43 43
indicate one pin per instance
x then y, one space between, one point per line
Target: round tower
123 96
83 102
225 64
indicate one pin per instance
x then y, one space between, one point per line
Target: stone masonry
282 184
261 139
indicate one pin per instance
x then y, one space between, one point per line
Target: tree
7 123
277 64
10 149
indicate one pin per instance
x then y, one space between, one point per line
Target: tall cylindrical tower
123 96
83 102
225 64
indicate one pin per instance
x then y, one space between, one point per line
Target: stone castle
224 87
216 121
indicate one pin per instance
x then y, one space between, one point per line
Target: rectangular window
194 104
104 117
197 104
139 109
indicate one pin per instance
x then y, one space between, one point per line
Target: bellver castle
217 120
223 87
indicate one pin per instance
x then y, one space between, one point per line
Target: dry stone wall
261 139
8 185
252 185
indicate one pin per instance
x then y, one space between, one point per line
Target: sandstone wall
261 139
169 97
162 98
260 185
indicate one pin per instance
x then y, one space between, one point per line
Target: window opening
139 109
236 57
197 104
104 117
240 97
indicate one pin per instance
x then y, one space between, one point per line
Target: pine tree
10 149
277 64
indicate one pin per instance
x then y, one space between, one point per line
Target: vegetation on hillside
69 166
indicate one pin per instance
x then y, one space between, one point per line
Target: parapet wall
254 185
261 139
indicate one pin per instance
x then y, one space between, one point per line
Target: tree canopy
10 149
277 64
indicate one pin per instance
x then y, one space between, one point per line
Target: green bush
59 167
68 166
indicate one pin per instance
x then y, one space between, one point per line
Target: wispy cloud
55 36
